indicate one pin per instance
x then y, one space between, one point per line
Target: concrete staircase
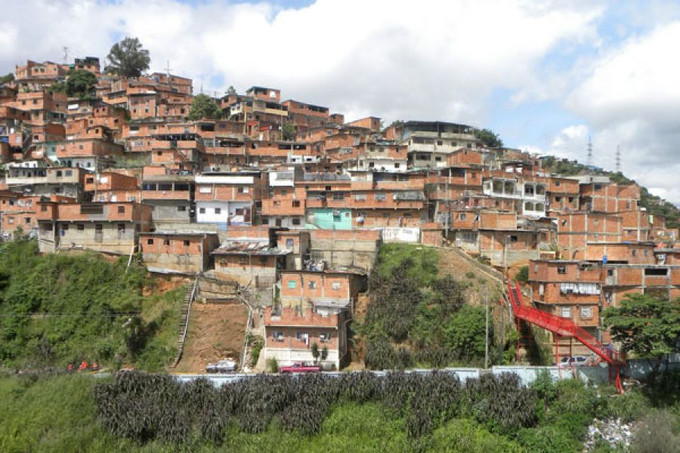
184 320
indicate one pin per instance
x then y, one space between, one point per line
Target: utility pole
618 159
486 337
65 54
167 73
590 151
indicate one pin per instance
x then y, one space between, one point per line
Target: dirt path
216 331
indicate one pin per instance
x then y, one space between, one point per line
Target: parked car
577 360
222 366
300 367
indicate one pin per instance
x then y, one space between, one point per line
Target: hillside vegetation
419 318
59 309
356 413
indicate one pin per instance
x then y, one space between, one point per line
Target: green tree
231 91
80 83
204 107
128 59
288 132
57 87
489 138
324 353
648 327
315 352
522 275
9 77
466 331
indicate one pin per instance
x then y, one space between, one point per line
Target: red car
300 367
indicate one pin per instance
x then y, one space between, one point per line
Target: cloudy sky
546 75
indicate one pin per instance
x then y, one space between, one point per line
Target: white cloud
570 143
631 99
395 59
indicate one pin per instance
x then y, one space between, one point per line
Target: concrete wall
109 239
344 250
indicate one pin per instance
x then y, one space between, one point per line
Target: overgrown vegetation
59 309
358 411
416 318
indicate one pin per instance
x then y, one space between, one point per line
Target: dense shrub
147 407
415 318
658 433
57 309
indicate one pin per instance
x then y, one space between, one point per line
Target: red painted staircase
561 327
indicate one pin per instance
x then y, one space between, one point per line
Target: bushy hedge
147 407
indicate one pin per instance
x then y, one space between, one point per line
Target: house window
218 210
656 272
513 238
99 227
263 260
296 221
166 241
296 204
149 242
27 220
181 208
291 284
379 197
586 312
201 210
565 312
290 243
80 227
121 228
336 285
462 216
311 285
277 335
339 196
610 272
324 337
121 209
561 269
243 260
186 243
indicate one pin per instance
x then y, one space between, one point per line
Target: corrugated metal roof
249 247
